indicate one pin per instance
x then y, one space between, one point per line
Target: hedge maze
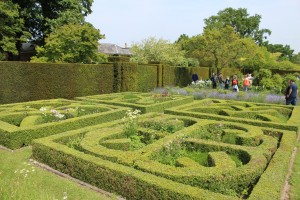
20 123
208 149
152 102
266 115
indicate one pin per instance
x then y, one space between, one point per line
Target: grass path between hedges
295 178
21 179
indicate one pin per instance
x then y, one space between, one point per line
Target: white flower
54 111
60 116
65 196
43 109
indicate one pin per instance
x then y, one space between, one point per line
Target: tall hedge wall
33 81
20 81
147 78
182 76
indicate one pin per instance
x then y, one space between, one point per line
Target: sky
132 21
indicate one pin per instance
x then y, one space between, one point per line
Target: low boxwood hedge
21 122
135 174
142 101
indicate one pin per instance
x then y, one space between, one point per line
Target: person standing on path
213 79
235 84
227 82
291 97
246 83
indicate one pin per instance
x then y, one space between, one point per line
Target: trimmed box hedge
243 160
20 123
146 102
258 114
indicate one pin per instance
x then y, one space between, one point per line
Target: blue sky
132 21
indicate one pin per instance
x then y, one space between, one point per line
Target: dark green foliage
118 59
44 81
286 51
180 76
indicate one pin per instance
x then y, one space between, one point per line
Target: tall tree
41 16
71 43
223 47
11 26
239 19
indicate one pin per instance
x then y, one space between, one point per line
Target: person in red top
246 83
235 83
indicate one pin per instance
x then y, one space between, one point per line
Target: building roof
113 49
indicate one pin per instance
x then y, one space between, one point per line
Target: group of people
225 83
291 91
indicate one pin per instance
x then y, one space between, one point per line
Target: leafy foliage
11 29
242 23
72 43
285 52
223 47
157 50
296 58
42 16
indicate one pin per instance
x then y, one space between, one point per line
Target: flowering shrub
251 96
131 122
200 84
53 115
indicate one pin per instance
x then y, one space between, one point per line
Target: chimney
126 46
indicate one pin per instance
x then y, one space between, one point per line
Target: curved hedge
104 160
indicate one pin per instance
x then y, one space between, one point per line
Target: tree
223 47
286 53
11 26
71 43
41 16
157 50
239 19
296 58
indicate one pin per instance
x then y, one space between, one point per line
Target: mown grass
21 179
295 178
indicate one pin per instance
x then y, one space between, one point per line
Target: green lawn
20 179
295 178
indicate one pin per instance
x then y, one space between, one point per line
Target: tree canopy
242 23
296 58
157 50
49 25
71 43
285 51
11 27
40 16
223 47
